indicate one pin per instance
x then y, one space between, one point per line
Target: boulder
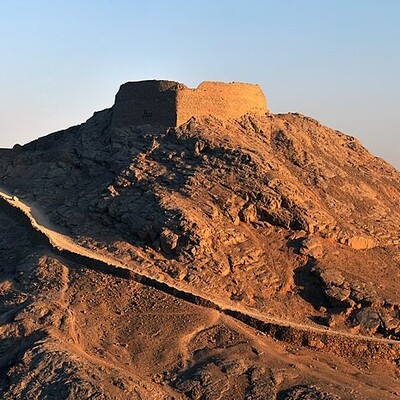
312 247
168 240
248 213
338 293
361 243
368 319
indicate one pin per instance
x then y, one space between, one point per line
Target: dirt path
185 340
280 329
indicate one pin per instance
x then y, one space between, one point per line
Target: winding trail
340 343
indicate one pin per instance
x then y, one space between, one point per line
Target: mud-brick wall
171 103
145 102
223 100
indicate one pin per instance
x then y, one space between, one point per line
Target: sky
337 61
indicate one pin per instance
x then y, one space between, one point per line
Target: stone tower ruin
170 103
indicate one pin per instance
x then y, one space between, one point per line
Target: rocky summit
190 244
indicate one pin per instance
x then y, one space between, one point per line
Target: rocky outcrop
358 305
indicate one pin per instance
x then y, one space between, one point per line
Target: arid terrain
251 257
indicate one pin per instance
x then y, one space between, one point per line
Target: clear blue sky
335 60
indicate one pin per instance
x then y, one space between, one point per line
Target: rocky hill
274 216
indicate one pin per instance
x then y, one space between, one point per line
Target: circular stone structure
170 103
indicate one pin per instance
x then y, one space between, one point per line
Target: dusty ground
273 215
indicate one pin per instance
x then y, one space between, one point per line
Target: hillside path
65 245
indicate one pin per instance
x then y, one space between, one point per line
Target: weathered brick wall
223 100
171 103
145 102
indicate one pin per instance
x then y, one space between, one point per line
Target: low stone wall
170 103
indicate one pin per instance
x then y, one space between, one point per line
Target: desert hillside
226 257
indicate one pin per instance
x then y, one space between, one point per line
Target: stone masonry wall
223 100
170 103
145 102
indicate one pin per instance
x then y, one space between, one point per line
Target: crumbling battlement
171 103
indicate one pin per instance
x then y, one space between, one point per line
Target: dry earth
251 258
